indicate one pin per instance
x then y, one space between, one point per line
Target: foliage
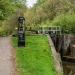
43 12
9 12
47 10
66 21
5 8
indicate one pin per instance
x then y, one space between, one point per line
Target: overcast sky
30 3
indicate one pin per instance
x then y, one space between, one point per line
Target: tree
7 7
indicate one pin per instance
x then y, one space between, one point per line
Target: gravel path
6 57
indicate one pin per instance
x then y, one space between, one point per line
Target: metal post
21 32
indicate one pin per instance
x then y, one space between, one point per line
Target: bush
4 31
66 21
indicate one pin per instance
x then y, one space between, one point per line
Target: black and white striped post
21 32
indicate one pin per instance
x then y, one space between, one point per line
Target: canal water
69 68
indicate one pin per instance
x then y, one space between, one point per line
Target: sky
30 3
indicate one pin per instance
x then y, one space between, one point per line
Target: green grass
35 58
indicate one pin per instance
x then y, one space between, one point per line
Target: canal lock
65 45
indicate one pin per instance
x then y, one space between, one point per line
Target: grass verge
35 58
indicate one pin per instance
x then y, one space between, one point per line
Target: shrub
66 21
